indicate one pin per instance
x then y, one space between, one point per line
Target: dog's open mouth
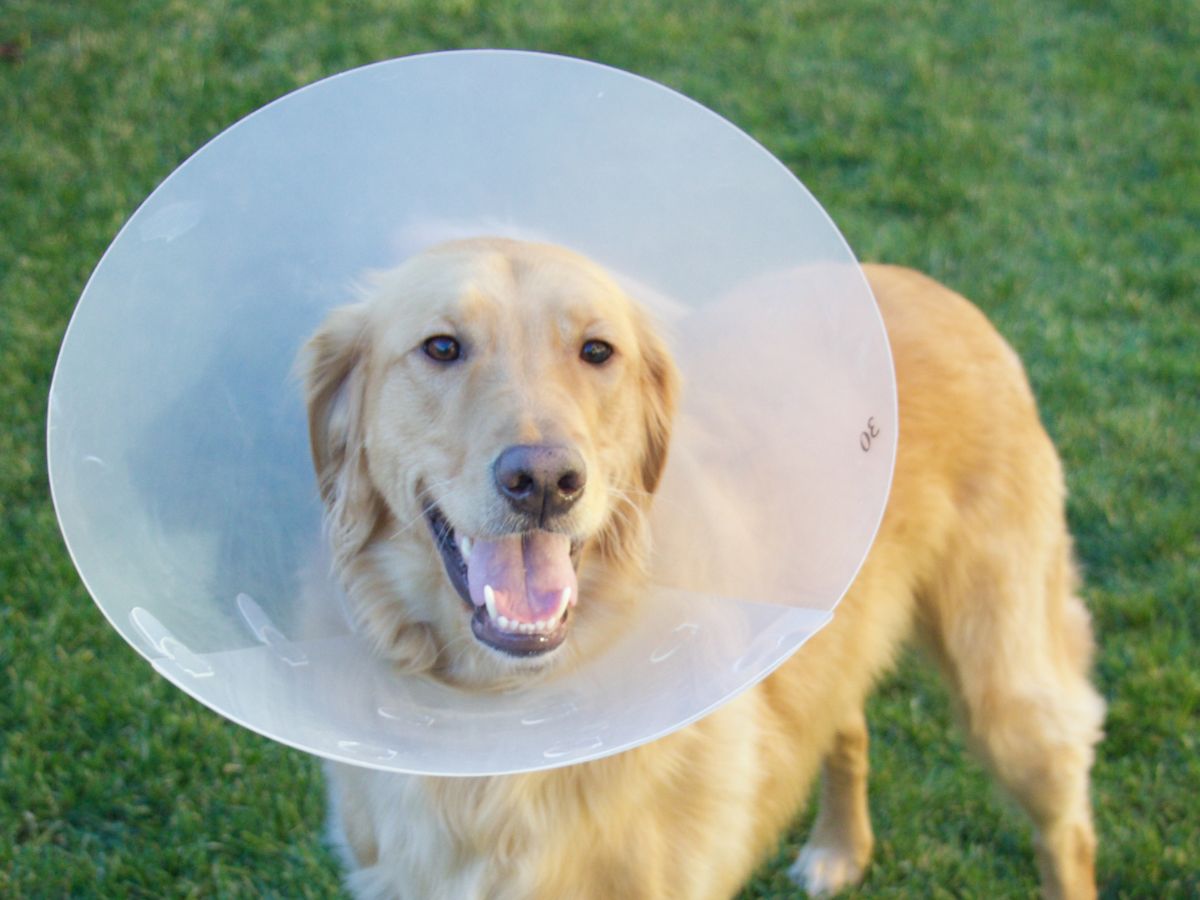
521 587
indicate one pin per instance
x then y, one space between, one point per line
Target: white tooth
566 598
526 628
489 599
503 623
464 546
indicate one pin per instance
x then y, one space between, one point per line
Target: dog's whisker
430 488
426 493
625 509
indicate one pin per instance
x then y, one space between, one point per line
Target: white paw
823 871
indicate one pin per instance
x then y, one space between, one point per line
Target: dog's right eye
442 348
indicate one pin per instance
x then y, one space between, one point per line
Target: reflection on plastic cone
267 633
171 222
373 753
679 634
408 717
554 710
575 748
169 646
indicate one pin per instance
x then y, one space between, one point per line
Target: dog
488 428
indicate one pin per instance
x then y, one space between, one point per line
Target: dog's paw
823 871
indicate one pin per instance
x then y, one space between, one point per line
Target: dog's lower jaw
486 671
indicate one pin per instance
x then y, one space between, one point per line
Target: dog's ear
334 373
660 394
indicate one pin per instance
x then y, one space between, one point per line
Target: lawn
1040 156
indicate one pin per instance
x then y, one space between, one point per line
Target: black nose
540 481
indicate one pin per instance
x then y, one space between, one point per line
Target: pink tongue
527 574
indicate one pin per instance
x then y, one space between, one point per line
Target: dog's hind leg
1016 647
839 846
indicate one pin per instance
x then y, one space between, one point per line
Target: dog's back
973 555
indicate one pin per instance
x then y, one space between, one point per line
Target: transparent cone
177 437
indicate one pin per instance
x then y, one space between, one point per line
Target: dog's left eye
596 352
442 348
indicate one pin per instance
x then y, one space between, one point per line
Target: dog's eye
596 352
442 348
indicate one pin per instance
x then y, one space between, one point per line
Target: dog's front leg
839 847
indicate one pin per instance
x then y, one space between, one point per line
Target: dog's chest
494 837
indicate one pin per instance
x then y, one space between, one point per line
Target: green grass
1039 155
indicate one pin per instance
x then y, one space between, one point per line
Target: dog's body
973 556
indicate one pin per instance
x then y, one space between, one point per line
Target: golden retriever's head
487 427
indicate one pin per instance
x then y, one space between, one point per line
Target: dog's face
487 427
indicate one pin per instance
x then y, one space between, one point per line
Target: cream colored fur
973 558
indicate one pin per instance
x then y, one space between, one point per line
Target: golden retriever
512 397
